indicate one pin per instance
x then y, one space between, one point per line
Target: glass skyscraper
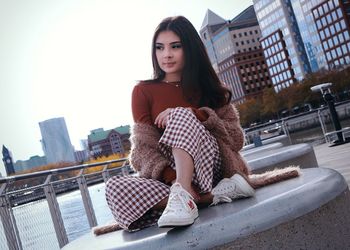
302 36
281 42
55 141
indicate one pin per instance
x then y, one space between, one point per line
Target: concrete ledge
318 197
299 154
280 138
263 148
322 228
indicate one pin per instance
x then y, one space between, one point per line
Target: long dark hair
201 85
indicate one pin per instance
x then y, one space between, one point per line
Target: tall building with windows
303 36
55 141
308 31
331 18
235 53
281 42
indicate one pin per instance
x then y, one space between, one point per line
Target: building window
320 10
334 15
340 14
346 35
344 49
337 27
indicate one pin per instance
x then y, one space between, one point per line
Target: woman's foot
181 209
232 188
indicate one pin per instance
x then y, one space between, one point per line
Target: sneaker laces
177 199
221 195
220 199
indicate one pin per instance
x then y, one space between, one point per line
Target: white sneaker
180 210
232 188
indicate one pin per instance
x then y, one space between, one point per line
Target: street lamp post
329 98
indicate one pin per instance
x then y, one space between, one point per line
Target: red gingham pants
131 198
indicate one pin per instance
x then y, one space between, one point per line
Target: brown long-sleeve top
151 98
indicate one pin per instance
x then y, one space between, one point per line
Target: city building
309 34
235 52
303 36
81 155
281 42
55 141
8 161
107 142
32 162
331 20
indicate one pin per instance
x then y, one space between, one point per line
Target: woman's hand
162 118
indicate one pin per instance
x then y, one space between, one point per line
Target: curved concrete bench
263 148
308 212
280 138
302 155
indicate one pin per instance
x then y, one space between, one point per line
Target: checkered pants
131 198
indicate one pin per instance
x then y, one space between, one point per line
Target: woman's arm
140 106
145 156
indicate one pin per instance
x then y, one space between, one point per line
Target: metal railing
53 182
267 130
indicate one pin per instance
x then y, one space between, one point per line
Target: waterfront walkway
337 157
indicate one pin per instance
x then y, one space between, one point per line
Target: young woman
185 141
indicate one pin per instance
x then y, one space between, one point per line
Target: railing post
86 199
286 131
55 213
8 221
105 173
322 125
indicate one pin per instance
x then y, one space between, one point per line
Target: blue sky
79 59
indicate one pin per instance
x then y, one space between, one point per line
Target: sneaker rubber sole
177 222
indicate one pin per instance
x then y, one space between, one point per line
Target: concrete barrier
302 155
308 212
264 148
281 138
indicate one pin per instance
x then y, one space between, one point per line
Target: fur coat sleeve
145 156
224 124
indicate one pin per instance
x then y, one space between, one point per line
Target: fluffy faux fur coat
224 125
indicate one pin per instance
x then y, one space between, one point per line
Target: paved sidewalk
337 157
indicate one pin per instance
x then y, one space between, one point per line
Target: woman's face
170 54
